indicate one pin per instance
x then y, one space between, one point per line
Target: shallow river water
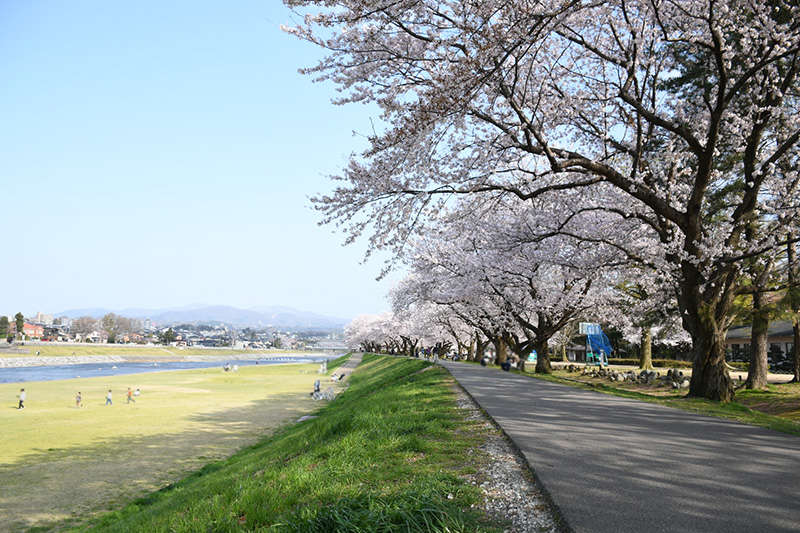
91 370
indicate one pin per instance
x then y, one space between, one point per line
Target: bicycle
328 394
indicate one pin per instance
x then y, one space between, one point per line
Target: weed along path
612 464
62 463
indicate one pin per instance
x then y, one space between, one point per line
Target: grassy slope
385 456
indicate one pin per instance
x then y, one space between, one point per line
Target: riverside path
350 365
611 464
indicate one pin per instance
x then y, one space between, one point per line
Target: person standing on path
21 399
108 398
130 396
79 400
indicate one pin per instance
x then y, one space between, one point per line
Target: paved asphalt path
351 364
611 464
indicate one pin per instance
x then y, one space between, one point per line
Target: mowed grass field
59 462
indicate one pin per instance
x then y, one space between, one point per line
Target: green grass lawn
60 462
391 454
777 407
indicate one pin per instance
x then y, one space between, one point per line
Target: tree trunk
522 358
796 350
500 350
710 377
757 374
706 311
646 349
480 347
542 357
461 348
522 351
794 305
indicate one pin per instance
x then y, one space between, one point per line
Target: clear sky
161 153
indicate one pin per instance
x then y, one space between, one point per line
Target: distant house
94 337
208 343
32 331
54 332
780 339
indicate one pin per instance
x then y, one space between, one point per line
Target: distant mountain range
263 316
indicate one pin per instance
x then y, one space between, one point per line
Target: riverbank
396 452
62 462
165 357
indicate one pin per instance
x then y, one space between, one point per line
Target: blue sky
155 154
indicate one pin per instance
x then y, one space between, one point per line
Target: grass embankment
777 407
58 461
389 455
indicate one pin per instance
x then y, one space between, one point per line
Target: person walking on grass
21 399
108 398
79 400
130 396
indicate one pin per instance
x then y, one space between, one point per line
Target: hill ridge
261 316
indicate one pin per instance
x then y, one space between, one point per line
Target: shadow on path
618 465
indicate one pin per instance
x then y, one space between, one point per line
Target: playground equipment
597 344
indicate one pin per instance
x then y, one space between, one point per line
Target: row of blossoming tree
673 123
484 278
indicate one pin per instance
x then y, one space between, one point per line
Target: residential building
41 318
780 340
31 331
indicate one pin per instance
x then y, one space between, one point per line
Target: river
22 374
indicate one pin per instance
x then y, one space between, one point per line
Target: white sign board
589 328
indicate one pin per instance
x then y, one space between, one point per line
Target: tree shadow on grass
53 488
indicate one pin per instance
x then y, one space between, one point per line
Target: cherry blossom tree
514 272
460 332
439 327
461 305
650 311
688 108
370 332
763 308
404 332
